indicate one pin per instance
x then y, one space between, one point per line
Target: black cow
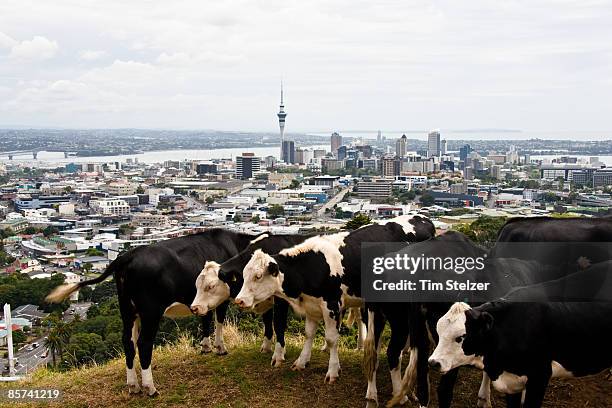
521 345
219 282
160 279
322 276
522 271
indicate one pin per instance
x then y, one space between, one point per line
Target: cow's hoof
298 366
483 403
206 350
220 350
331 378
370 403
133 389
266 346
277 362
151 392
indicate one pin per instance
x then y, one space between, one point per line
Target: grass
244 378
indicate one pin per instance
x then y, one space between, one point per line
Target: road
333 201
31 359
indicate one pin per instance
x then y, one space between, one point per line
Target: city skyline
511 66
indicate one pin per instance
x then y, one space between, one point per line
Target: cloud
91 55
38 48
6 41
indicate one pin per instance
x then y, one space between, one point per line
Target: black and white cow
158 280
322 276
521 345
410 321
217 283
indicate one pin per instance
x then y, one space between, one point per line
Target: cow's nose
240 302
195 309
435 364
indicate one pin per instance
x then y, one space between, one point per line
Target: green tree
237 218
94 252
53 342
295 184
427 199
140 189
19 337
276 210
255 219
484 230
87 266
85 348
357 221
50 230
209 200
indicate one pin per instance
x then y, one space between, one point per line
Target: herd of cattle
518 345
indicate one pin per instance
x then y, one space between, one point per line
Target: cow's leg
514 400
362 328
446 386
206 325
281 308
536 388
332 319
484 393
220 313
267 317
421 340
399 337
148 329
304 358
376 324
131 331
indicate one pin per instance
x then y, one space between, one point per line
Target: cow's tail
370 354
63 291
408 380
353 316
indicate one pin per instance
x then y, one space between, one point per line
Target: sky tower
281 121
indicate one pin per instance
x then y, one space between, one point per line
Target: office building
247 165
336 142
433 144
464 152
288 151
375 188
401 146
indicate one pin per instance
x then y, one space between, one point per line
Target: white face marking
211 291
328 245
258 284
451 331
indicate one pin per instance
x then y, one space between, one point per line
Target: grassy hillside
244 378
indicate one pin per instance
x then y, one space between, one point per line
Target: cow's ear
487 320
273 268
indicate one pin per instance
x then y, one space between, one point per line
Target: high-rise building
464 152
443 147
390 166
401 146
433 143
247 165
288 151
379 137
281 121
336 142
342 152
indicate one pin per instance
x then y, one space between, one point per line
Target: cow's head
478 327
211 291
451 330
262 279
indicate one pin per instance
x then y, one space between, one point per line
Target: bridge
34 153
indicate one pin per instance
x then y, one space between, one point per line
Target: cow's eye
258 276
459 339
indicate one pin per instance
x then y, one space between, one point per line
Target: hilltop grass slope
244 378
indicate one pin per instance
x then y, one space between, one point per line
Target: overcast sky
350 64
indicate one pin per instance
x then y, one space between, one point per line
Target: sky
538 65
